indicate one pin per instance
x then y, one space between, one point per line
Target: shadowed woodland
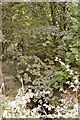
40 53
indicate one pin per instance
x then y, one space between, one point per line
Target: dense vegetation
41 44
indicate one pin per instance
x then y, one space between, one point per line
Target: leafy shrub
36 74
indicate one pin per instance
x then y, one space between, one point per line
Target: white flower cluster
17 108
75 75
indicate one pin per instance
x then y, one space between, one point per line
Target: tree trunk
1 78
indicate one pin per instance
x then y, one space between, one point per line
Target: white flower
28 100
47 92
68 82
76 81
23 98
13 103
31 95
40 101
68 69
59 59
27 96
71 72
56 59
59 114
49 108
62 63
75 89
72 85
65 91
23 116
50 116
30 90
61 89
58 107
34 109
44 44
62 109
5 113
48 42
76 106
28 112
67 66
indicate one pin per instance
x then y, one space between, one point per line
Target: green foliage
34 34
42 29
37 74
70 107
